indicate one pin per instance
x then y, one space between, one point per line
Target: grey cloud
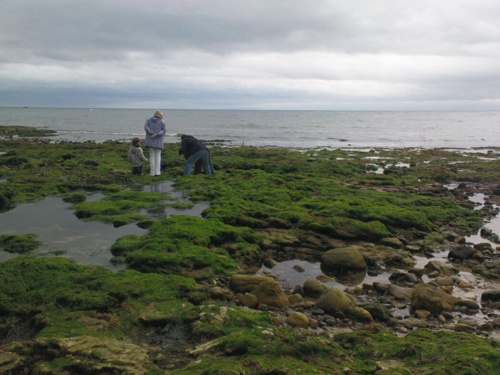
241 53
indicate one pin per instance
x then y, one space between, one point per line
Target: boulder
468 304
442 268
247 283
248 300
427 297
297 319
270 293
404 278
295 299
400 292
334 301
343 260
491 296
378 311
463 252
314 288
359 314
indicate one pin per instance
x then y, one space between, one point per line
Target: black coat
190 145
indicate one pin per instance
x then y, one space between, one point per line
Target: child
136 157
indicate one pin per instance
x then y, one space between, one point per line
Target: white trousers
154 161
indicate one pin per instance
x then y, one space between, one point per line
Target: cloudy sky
251 54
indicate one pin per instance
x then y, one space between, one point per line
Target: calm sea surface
304 129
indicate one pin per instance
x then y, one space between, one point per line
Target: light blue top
155 132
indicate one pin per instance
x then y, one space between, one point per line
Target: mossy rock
343 260
427 297
19 243
75 198
334 301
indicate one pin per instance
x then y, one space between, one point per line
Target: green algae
121 207
54 288
24 131
253 191
186 245
431 352
19 243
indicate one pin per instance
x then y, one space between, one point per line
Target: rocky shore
396 284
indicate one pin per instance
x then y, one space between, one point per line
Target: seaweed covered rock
427 297
334 301
271 294
314 288
343 260
19 243
246 283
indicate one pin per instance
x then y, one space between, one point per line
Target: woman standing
155 132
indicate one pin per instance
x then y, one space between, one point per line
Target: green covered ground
160 316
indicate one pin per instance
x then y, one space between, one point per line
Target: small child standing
136 157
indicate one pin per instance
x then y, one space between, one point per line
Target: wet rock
399 260
378 311
426 297
411 323
314 288
297 319
248 300
325 279
334 301
460 327
270 294
444 281
490 269
468 304
422 314
298 268
247 283
380 287
342 260
485 245
413 248
441 268
218 293
404 279
461 253
400 293
295 299
392 242
491 296
269 263
359 314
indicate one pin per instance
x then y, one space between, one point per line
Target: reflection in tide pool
177 197
60 230
293 273
86 242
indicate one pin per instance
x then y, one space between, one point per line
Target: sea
279 128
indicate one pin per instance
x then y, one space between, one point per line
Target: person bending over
195 152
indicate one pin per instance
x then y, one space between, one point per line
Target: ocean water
292 129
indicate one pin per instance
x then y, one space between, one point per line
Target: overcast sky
251 54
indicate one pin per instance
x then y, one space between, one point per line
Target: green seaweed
19 243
